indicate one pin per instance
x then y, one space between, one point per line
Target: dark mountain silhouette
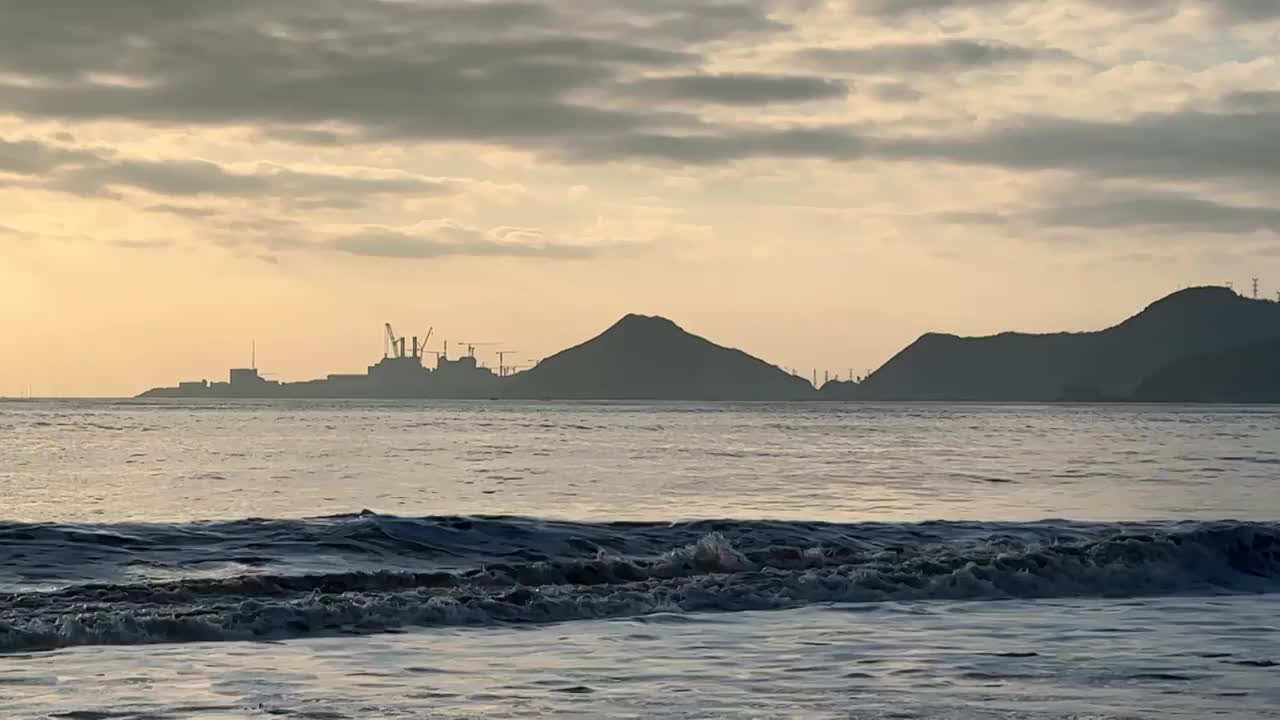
1249 374
652 358
1106 364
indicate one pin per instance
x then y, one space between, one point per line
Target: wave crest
717 571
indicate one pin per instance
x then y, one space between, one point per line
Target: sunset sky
817 183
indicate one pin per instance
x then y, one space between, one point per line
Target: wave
371 573
55 554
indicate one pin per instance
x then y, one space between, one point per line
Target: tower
1255 288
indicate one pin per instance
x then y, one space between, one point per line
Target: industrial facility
401 373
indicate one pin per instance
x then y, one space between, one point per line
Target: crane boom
394 342
471 346
397 343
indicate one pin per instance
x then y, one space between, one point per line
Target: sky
817 183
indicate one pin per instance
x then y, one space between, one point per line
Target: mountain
652 358
1249 374
1109 363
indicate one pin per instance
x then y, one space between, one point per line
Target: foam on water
383 573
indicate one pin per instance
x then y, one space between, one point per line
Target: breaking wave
69 585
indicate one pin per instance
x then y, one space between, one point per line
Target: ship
401 373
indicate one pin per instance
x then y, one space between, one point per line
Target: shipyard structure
401 373
1203 344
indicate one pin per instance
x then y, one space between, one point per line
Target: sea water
429 559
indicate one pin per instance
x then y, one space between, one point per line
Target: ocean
256 559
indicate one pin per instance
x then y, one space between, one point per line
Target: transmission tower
1255 288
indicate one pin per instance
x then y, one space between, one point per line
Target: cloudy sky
815 182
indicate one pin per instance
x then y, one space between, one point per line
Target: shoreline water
530 559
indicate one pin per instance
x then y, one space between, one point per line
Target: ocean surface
476 560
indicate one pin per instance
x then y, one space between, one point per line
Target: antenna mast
1255 288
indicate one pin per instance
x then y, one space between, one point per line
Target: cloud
1181 145
143 244
834 143
31 157
896 92
571 81
447 238
186 211
507 93
1253 101
201 177
103 173
1229 11
624 85
1245 10
1121 208
427 240
379 70
1188 144
680 21
898 8
1171 211
178 177
740 88
524 75
949 55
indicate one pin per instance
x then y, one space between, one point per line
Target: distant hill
1108 363
652 358
1249 374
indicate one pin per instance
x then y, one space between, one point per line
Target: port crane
392 344
471 347
395 345
503 370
